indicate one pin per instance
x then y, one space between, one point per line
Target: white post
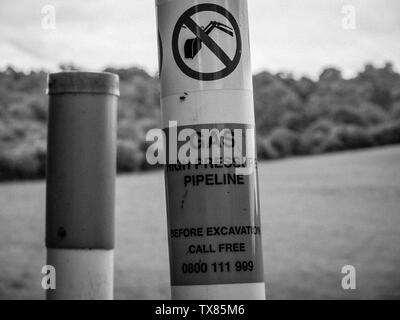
213 210
81 183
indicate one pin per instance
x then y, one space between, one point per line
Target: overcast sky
296 36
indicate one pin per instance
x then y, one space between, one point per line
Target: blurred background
327 102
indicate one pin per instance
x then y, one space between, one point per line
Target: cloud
291 35
89 33
303 36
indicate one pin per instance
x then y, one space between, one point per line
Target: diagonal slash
210 43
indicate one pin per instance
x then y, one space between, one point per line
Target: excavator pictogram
193 46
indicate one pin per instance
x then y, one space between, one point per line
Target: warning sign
214 231
205 46
202 37
214 220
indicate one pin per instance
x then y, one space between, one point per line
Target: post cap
83 82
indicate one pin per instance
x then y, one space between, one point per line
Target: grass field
318 214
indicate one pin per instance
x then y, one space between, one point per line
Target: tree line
294 116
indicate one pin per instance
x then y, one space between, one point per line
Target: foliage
293 116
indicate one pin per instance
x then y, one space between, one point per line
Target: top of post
83 82
160 2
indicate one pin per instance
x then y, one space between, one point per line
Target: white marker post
81 183
213 210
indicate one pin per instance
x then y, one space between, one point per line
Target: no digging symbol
193 46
